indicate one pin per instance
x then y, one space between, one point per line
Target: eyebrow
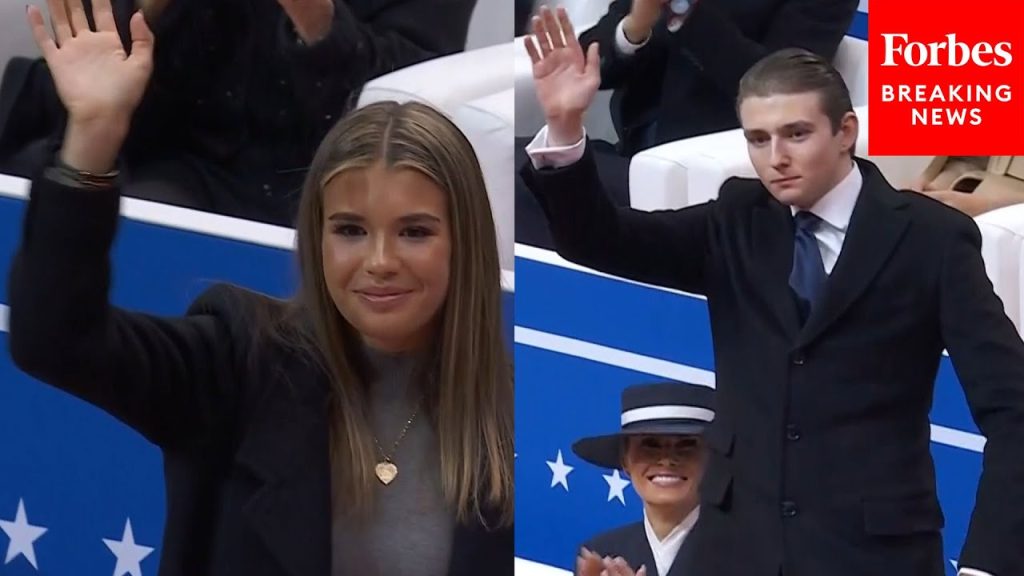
414 218
791 126
799 124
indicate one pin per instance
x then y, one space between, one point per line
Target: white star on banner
559 472
616 484
22 535
129 554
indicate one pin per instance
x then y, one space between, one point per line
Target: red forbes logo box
946 78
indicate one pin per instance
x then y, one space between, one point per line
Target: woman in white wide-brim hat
660 449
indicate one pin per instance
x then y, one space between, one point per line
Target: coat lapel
682 558
288 451
772 230
875 229
641 554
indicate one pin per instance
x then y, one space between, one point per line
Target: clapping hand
619 567
588 563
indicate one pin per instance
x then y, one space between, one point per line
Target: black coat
243 427
688 80
630 542
820 460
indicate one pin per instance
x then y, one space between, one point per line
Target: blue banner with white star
80 493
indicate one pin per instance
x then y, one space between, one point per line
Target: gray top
409 531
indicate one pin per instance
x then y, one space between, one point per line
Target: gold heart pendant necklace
386 470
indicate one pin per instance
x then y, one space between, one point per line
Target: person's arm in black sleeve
363 44
988 356
618 69
173 380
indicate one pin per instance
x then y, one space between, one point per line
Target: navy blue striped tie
808 276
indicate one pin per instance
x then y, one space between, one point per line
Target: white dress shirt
543 155
665 550
623 45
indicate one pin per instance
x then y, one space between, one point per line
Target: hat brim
605 451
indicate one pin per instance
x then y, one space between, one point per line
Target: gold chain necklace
386 470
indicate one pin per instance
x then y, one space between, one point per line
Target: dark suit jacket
820 458
243 427
630 542
688 80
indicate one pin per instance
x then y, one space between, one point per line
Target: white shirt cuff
972 572
623 45
543 155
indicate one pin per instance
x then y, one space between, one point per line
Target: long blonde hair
468 391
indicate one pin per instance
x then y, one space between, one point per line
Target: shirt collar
674 540
836 206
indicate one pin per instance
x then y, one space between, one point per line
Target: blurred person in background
241 94
675 65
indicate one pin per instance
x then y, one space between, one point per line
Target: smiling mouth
667 479
382 297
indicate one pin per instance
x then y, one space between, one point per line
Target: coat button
792 433
788 509
798 358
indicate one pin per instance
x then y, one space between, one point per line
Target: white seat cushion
446 82
489 124
1002 234
851 61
